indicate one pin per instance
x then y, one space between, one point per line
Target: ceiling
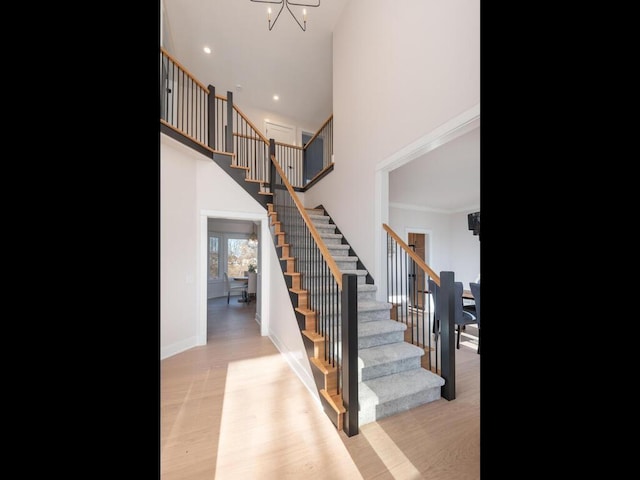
255 64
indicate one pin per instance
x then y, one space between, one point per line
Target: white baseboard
297 368
178 347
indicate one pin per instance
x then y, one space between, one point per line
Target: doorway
280 133
205 265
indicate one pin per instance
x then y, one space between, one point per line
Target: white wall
258 116
439 228
192 188
400 70
466 261
453 246
178 248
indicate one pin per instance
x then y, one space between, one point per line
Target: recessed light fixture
207 50
276 97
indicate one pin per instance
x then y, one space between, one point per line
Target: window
214 256
239 256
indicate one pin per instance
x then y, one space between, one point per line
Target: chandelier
253 238
286 3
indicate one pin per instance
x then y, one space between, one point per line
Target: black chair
462 317
475 290
433 290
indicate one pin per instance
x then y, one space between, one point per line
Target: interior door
417 279
280 133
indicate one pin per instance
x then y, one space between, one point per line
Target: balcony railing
195 111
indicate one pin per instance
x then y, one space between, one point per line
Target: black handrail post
349 317
211 106
229 132
272 167
446 299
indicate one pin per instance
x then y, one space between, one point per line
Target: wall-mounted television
473 219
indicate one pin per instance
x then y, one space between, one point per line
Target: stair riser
371 315
368 316
371 413
365 296
380 339
401 365
336 250
305 265
361 280
335 239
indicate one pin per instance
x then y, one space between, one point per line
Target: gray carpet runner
390 377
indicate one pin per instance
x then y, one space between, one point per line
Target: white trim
298 369
263 257
178 347
407 206
463 123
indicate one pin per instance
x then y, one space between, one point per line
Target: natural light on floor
398 464
275 426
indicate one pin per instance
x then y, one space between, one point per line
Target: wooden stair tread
241 168
293 274
334 400
265 193
297 291
322 366
313 336
253 180
304 311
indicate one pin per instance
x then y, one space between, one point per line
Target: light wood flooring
234 409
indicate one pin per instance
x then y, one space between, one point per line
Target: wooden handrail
184 70
289 145
242 135
264 139
423 266
335 271
319 130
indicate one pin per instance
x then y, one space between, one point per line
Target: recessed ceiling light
207 50
276 97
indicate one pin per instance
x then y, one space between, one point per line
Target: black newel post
229 131
349 319
211 107
272 167
446 299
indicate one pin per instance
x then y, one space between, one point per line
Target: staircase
390 376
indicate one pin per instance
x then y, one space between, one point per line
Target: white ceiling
297 66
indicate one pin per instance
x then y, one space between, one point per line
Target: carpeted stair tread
392 387
373 305
382 354
377 327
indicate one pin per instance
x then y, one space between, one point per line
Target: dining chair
228 288
252 284
475 290
433 290
462 317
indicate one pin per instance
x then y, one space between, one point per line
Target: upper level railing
197 112
413 304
